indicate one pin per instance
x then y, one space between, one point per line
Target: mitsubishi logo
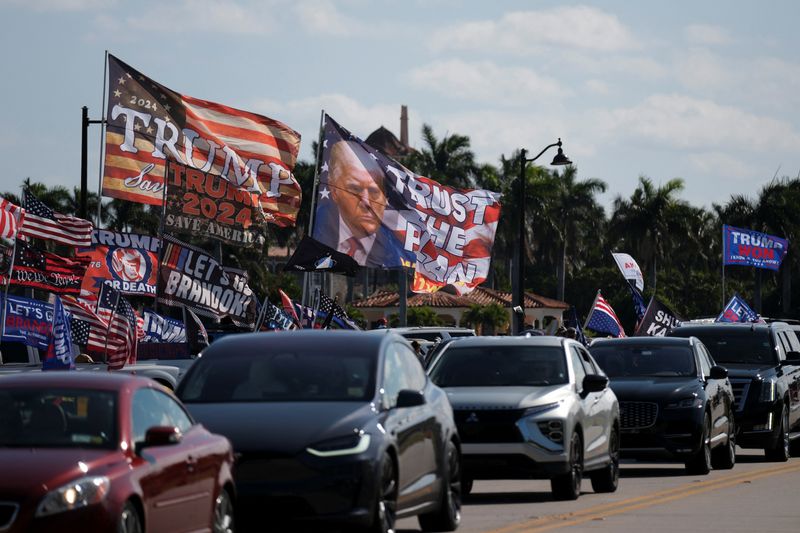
472 418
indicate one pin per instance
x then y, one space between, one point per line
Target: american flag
88 328
149 124
41 222
11 217
121 319
333 310
603 319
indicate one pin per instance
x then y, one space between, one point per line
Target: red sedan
87 452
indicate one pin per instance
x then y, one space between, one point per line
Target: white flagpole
101 163
306 278
591 309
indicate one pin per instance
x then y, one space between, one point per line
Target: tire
779 453
385 513
568 486
448 516
223 513
607 479
466 486
700 463
724 457
129 519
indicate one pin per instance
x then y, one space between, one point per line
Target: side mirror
160 436
410 398
594 383
718 372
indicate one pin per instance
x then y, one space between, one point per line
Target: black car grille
637 415
740 389
488 425
8 511
261 467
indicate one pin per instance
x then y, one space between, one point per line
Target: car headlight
540 409
767 391
79 493
347 445
686 403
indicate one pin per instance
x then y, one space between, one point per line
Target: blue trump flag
737 310
28 321
59 354
638 300
752 248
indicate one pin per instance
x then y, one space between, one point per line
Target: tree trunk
562 271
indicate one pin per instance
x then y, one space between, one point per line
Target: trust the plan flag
752 248
149 125
657 321
381 214
737 310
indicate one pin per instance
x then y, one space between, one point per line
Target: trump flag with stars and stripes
149 125
603 319
41 222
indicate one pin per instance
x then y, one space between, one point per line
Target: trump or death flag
748 247
128 262
189 276
381 214
149 125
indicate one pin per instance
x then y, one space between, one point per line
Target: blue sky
706 91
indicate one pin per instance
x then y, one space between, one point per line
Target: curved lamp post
518 281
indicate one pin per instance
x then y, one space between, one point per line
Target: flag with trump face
381 214
148 126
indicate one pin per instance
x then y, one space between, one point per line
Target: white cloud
701 69
598 86
61 5
526 32
686 123
323 17
211 17
707 35
485 81
723 164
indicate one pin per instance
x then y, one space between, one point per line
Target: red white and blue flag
603 319
11 217
59 355
41 222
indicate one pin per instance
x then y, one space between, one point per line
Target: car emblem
472 418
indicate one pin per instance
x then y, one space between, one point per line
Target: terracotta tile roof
480 296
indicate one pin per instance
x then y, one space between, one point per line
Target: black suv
763 362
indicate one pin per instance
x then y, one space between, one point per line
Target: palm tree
649 221
449 161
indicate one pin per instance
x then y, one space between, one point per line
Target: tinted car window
577 367
705 364
394 377
415 374
148 410
729 345
656 361
66 418
482 366
303 376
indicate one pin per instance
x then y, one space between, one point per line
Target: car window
394 376
705 366
588 363
732 345
147 410
415 374
462 365
794 342
176 414
646 359
577 367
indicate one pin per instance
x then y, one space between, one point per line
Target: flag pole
306 278
108 328
161 233
591 309
102 122
5 295
723 266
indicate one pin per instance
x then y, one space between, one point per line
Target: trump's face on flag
357 188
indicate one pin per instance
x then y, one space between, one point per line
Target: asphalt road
756 496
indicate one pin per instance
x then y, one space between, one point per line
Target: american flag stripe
41 222
96 340
11 217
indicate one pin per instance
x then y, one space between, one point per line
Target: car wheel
223 513
700 463
466 486
724 457
607 479
129 519
385 513
780 452
568 486
448 516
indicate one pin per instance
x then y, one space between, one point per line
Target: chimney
404 125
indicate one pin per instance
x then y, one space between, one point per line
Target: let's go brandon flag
148 124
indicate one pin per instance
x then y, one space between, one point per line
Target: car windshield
739 346
67 418
494 366
300 376
619 361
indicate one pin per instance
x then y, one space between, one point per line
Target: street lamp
518 281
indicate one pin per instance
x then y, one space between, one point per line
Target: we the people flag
658 320
28 321
148 125
128 262
41 222
752 248
375 210
205 205
44 270
189 276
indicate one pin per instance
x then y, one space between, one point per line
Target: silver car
531 408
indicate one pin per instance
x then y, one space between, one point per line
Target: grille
488 425
637 415
8 512
740 389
